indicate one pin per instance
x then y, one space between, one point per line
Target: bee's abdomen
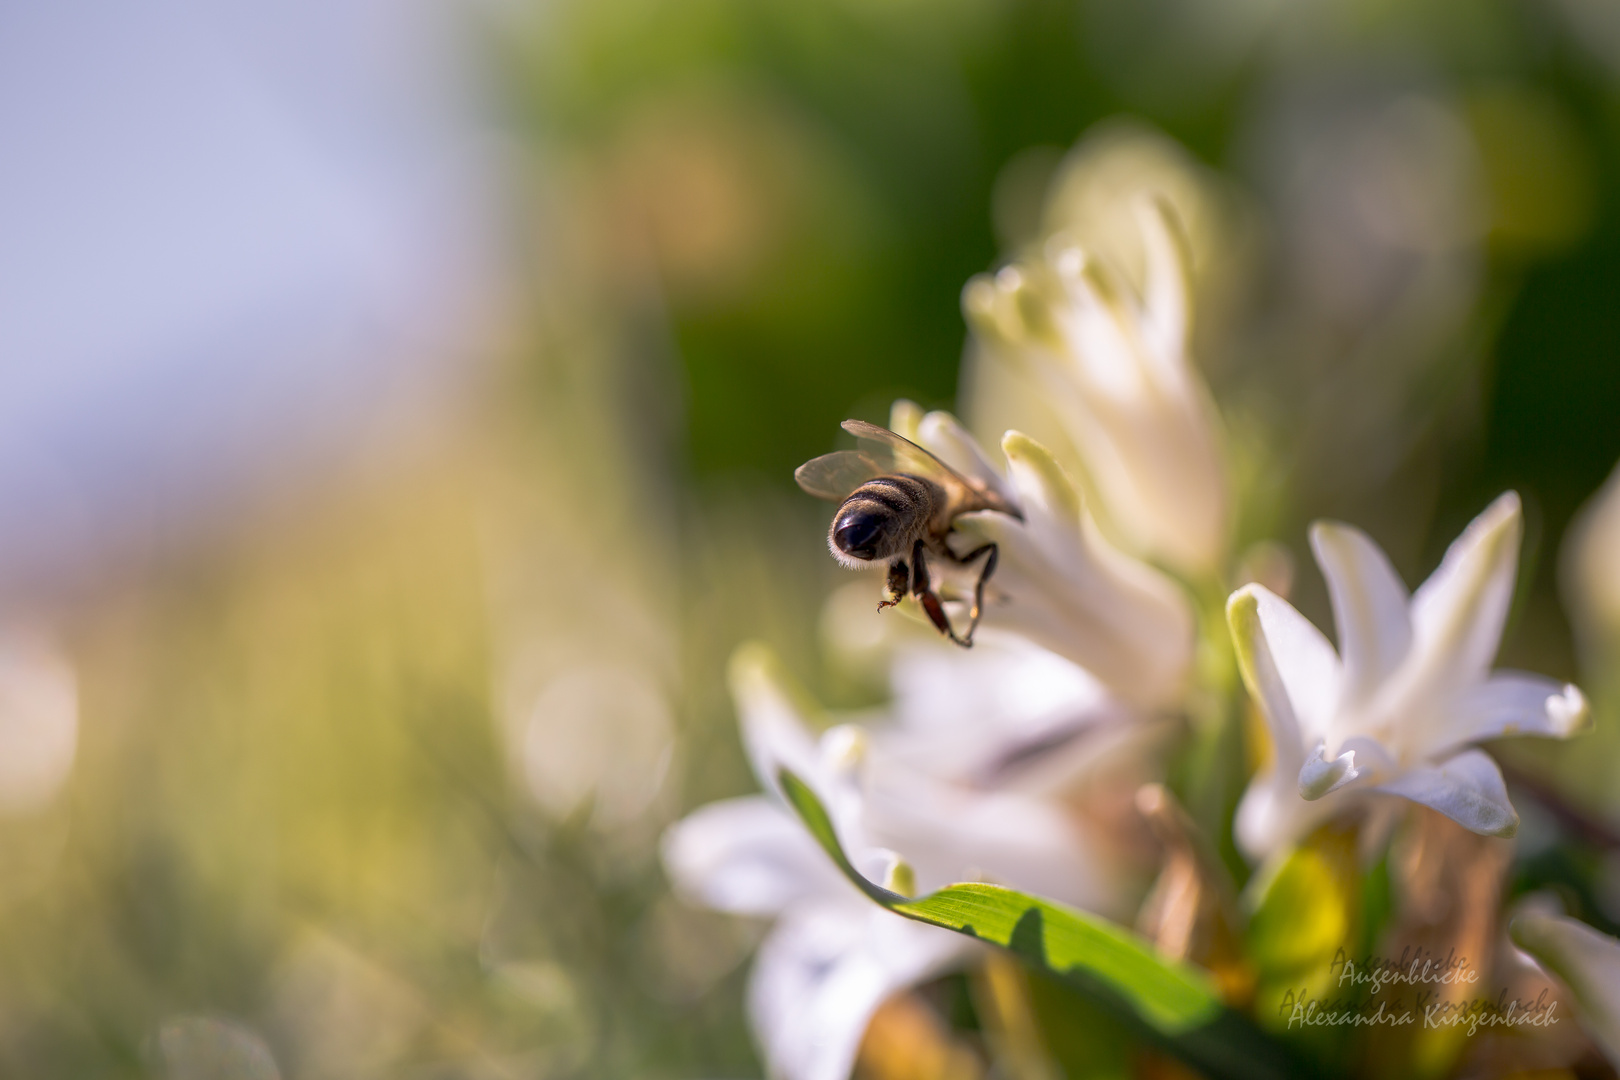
881 519
904 495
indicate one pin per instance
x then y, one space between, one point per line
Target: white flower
1060 583
1591 576
833 956
1118 376
1397 710
1588 963
1009 715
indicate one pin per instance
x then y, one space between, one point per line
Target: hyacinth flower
1117 373
1397 711
832 957
1059 581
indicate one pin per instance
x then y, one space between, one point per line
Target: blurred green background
372 785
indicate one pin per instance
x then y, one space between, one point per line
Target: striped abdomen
882 518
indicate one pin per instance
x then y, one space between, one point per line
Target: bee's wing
901 455
833 476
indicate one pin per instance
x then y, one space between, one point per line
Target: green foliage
1175 1005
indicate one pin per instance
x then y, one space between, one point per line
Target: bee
898 503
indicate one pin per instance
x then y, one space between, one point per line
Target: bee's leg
899 581
923 590
994 553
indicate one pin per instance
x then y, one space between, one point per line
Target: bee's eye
857 535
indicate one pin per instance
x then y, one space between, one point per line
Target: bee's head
859 533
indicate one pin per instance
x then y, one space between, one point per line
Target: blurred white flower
1397 710
1116 370
39 722
1008 715
832 956
1591 576
1121 161
1061 584
601 732
1588 963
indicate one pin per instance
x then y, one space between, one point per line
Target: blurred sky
239 239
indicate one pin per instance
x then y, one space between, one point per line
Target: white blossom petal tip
1038 476
1369 605
844 748
1458 613
1510 703
897 875
943 435
1321 774
1288 665
1568 713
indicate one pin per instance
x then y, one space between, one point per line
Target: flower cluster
1034 761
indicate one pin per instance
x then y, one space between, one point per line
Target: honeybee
898 504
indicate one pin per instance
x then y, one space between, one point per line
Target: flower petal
942 435
1373 758
821 974
905 418
773 729
951 833
775 735
1321 774
1063 586
1117 378
1588 963
1272 816
1458 614
1369 606
1166 283
1105 349
1008 714
1039 480
1272 641
1590 575
1514 703
746 856
1288 666
1468 789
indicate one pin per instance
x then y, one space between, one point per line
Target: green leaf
1175 1005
